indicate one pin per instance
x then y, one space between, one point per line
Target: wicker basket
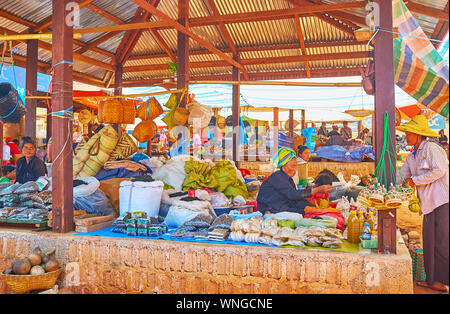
112 111
129 112
180 116
150 110
124 149
26 283
101 105
145 131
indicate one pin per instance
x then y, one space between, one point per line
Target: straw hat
418 125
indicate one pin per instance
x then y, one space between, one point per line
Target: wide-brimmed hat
418 125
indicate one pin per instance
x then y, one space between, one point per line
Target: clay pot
21 266
35 259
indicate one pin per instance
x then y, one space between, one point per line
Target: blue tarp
345 154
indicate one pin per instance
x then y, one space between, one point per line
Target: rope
389 150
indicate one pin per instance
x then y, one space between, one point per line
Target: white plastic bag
176 216
172 173
86 189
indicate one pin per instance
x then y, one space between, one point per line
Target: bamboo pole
309 84
32 36
112 97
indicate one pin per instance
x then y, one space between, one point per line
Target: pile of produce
284 232
36 263
31 201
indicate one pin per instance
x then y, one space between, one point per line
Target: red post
276 125
62 178
291 122
183 66
385 103
236 111
31 88
118 74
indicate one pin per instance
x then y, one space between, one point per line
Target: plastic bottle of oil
361 220
353 228
371 220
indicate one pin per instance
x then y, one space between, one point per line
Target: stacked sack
95 153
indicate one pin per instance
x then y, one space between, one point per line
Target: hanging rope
390 151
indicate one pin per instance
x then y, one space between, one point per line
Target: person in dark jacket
29 167
279 193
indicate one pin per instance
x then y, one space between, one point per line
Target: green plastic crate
369 244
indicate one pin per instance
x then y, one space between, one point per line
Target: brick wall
114 265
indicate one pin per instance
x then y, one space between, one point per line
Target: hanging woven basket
359 113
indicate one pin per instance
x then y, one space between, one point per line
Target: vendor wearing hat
426 169
279 192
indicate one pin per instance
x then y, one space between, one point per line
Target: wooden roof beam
49 21
255 61
162 43
15 18
93 44
302 44
253 76
226 34
163 17
426 10
263 48
136 34
440 30
101 12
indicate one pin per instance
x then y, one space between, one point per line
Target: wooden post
276 123
118 74
385 102
1 146
62 168
49 125
31 87
236 112
303 119
183 66
291 122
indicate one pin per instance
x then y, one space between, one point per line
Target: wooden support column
118 74
303 119
183 69
291 122
31 88
385 103
276 125
236 112
62 93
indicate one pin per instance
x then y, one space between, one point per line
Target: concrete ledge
119 265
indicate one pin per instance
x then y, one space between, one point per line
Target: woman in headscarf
279 192
426 169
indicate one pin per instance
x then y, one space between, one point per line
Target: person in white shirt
426 169
6 153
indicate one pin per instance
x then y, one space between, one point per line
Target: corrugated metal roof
269 33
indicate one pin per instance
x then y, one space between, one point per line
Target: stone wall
115 265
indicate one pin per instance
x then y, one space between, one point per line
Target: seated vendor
336 138
279 193
303 154
29 167
8 174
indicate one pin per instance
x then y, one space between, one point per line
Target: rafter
15 18
163 44
49 21
226 34
302 44
440 30
93 44
254 76
263 48
426 10
255 61
186 31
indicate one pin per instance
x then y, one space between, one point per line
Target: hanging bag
181 114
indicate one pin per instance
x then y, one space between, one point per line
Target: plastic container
353 228
371 220
140 197
361 220
369 244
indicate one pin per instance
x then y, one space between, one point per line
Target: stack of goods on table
271 231
138 224
25 203
203 227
